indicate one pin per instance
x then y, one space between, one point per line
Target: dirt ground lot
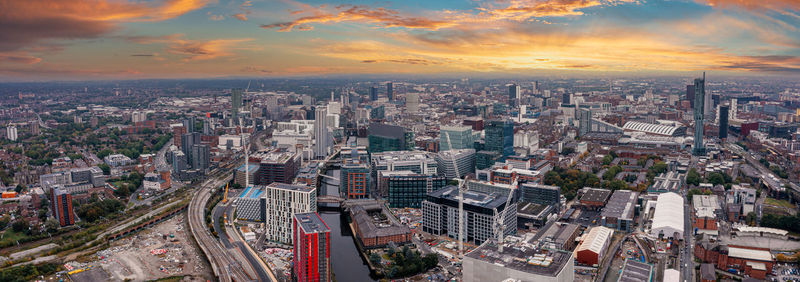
164 250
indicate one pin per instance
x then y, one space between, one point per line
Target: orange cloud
23 23
19 58
240 16
754 4
379 16
194 50
526 9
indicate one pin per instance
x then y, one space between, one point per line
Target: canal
347 263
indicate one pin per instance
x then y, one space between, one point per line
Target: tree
375 259
612 172
19 225
607 160
751 218
4 222
693 177
106 169
567 151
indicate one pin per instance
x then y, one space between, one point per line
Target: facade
277 167
385 137
751 261
620 211
584 121
201 156
373 93
723 121
417 161
61 206
11 133
461 137
282 201
408 191
513 94
236 103
355 181
440 214
500 137
446 162
594 245
541 194
116 160
311 250
321 134
699 115
376 227
389 91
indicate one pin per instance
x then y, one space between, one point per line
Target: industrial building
594 246
375 225
517 261
668 218
620 211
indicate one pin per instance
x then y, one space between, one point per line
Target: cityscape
523 140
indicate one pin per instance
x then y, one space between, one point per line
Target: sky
137 39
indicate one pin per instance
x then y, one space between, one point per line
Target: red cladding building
312 254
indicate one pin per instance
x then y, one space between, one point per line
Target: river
347 263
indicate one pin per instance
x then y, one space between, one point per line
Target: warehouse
668 218
594 245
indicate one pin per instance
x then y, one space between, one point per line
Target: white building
668 218
281 202
412 102
116 160
464 159
11 133
230 142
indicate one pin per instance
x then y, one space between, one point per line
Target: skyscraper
460 138
412 102
201 156
311 250
61 205
11 133
500 137
236 103
699 115
385 137
585 119
708 103
373 93
690 95
723 122
389 91
321 133
513 94
733 109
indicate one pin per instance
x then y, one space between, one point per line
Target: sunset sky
119 39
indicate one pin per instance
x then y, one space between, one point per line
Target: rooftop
621 205
760 255
284 186
522 256
311 223
595 194
396 156
489 201
636 271
596 239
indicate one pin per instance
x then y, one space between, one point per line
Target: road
687 261
233 238
161 159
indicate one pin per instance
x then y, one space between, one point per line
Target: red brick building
751 261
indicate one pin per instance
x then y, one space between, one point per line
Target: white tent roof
668 217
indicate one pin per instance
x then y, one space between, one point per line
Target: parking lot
786 273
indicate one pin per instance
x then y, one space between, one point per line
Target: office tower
389 91
34 127
417 161
189 124
440 214
734 108
585 121
448 161
500 137
11 133
321 148
373 93
513 95
179 161
61 205
311 250
541 194
708 104
236 103
187 141
460 137
282 202
408 189
699 115
412 102
201 156
536 87
385 137
278 167
207 126
690 95
355 181
723 122
565 99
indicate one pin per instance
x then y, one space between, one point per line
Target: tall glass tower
699 115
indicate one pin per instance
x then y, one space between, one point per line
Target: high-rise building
734 108
282 202
138 116
513 94
417 161
699 115
412 102
177 132
34 127
322 144
61 205
585 121
311 250
541 194
463 159
461 137
389 91
187 141
565 98
11 133
236 103
355 181
500 137
385 137
723 122
277 167
373 93
708 102
201 156
179 161
690 95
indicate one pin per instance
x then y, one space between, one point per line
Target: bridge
330 199
139 227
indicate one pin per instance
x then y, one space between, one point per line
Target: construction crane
500 220
462 187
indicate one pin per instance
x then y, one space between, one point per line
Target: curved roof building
657 129
668 218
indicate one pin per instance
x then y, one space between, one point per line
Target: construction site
162 251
